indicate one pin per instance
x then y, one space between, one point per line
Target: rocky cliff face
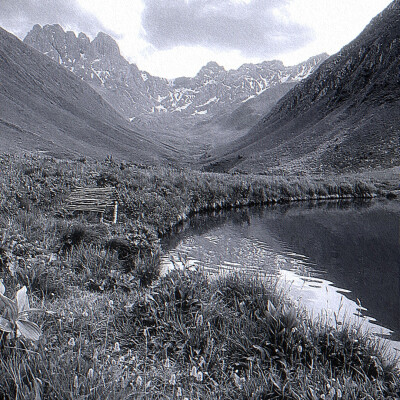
343 117
149 100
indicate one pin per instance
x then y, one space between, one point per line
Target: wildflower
199 376
121 359
117 348
139 381
193 371
111 303
71 342
85 314
90 374
76 383
167 363
179 392
172 380
299 348
237 381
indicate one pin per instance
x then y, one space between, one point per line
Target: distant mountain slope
344 116
233 124
44 107
158 103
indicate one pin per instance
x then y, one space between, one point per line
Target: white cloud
188 60
257 28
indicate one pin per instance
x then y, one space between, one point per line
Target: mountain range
197 108
70 96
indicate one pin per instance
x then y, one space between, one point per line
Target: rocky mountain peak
210 70
212 66
82 38
105 45
140 97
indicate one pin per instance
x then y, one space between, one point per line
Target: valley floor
114 329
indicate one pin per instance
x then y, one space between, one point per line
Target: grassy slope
117 332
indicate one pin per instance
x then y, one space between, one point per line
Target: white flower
71 342
199 376
172 380
299 348
90 374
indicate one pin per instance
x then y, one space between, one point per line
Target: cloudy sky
171 38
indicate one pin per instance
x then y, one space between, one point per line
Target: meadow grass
115 329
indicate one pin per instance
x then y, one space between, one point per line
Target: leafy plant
15 313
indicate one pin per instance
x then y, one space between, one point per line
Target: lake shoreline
117 330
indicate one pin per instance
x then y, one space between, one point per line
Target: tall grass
117 330
187 336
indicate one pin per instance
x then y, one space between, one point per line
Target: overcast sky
172 38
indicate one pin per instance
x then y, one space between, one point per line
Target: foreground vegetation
114 329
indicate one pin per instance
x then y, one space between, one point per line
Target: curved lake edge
357 193
181 229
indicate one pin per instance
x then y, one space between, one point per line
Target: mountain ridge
45 108
344 116
156 102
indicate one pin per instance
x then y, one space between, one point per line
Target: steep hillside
182 104
44 107
344 116
233 124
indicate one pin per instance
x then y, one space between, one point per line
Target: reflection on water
340 260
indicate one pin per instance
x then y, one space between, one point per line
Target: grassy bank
115 331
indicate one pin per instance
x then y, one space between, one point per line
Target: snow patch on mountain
133 92
212 100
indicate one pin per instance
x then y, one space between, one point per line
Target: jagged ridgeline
154 101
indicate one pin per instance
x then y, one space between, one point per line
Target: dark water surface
332 257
